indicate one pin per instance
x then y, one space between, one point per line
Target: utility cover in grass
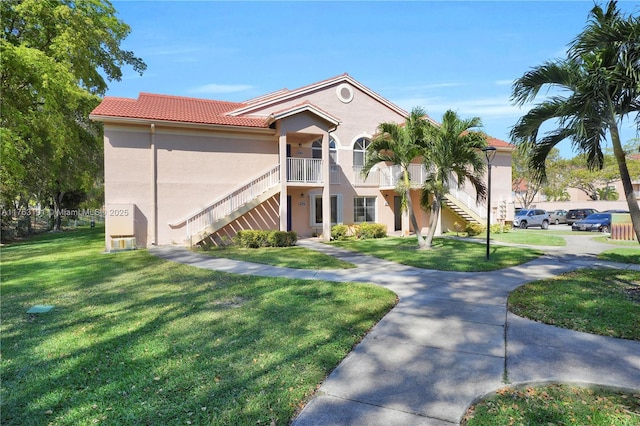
40 309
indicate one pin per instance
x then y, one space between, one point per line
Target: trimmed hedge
339 232
256 238
473 229
362 231
367 231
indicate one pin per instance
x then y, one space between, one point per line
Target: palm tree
599 84
400 144
452 151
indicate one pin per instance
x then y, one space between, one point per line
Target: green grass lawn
556 405
599 301
447 254
133 339
287 257
608 240
531 237
622 255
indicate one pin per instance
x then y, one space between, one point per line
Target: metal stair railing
228 204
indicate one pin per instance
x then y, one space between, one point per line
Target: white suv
531 217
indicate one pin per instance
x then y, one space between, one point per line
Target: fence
17 223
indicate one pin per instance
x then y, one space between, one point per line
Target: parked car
558 216
531 217
600 222
575 215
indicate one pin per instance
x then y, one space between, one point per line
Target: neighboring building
578 198
180 170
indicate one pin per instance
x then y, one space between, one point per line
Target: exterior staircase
225 210
462 210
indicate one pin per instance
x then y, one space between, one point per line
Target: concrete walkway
450 340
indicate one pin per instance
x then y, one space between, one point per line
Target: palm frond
557 73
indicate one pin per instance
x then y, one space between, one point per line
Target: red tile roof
175 108
491 141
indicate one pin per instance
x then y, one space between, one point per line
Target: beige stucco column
282 151
154 186
326 189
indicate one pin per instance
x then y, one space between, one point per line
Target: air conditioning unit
123 243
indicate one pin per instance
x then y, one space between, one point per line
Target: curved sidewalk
449 341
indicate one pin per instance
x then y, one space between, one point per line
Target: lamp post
490 153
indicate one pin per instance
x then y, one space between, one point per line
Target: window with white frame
316 209
316 150
364 209
360 151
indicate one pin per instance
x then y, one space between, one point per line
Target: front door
397 213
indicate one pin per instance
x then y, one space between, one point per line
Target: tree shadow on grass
133 339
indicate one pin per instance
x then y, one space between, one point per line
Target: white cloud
491 107
503 82
220 88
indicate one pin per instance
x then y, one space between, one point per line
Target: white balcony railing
304 170
387 177
373 179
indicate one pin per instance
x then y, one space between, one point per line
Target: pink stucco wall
195 165
193 168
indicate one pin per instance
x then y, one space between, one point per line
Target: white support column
282 150
326 189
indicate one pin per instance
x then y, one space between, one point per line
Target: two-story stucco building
179 170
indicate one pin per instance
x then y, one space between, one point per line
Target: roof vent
344 93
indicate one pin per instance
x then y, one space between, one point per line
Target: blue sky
460 55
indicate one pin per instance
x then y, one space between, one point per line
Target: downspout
154 187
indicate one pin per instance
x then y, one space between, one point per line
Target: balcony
304 170
387 177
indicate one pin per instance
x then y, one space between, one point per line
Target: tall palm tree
400 144
599 84
453 150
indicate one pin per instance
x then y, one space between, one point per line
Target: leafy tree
525 188
452 156
595 183
400 145
599 84
556 189
57 56
607 193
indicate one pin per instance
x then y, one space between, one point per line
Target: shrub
499 229
473 229
256 238
458 228
251 238
371 230
339 232
282 238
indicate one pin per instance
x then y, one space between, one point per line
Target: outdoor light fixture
490 153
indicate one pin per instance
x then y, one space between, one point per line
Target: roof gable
304 107
283 95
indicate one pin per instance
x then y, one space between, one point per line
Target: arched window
316 150
360 151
